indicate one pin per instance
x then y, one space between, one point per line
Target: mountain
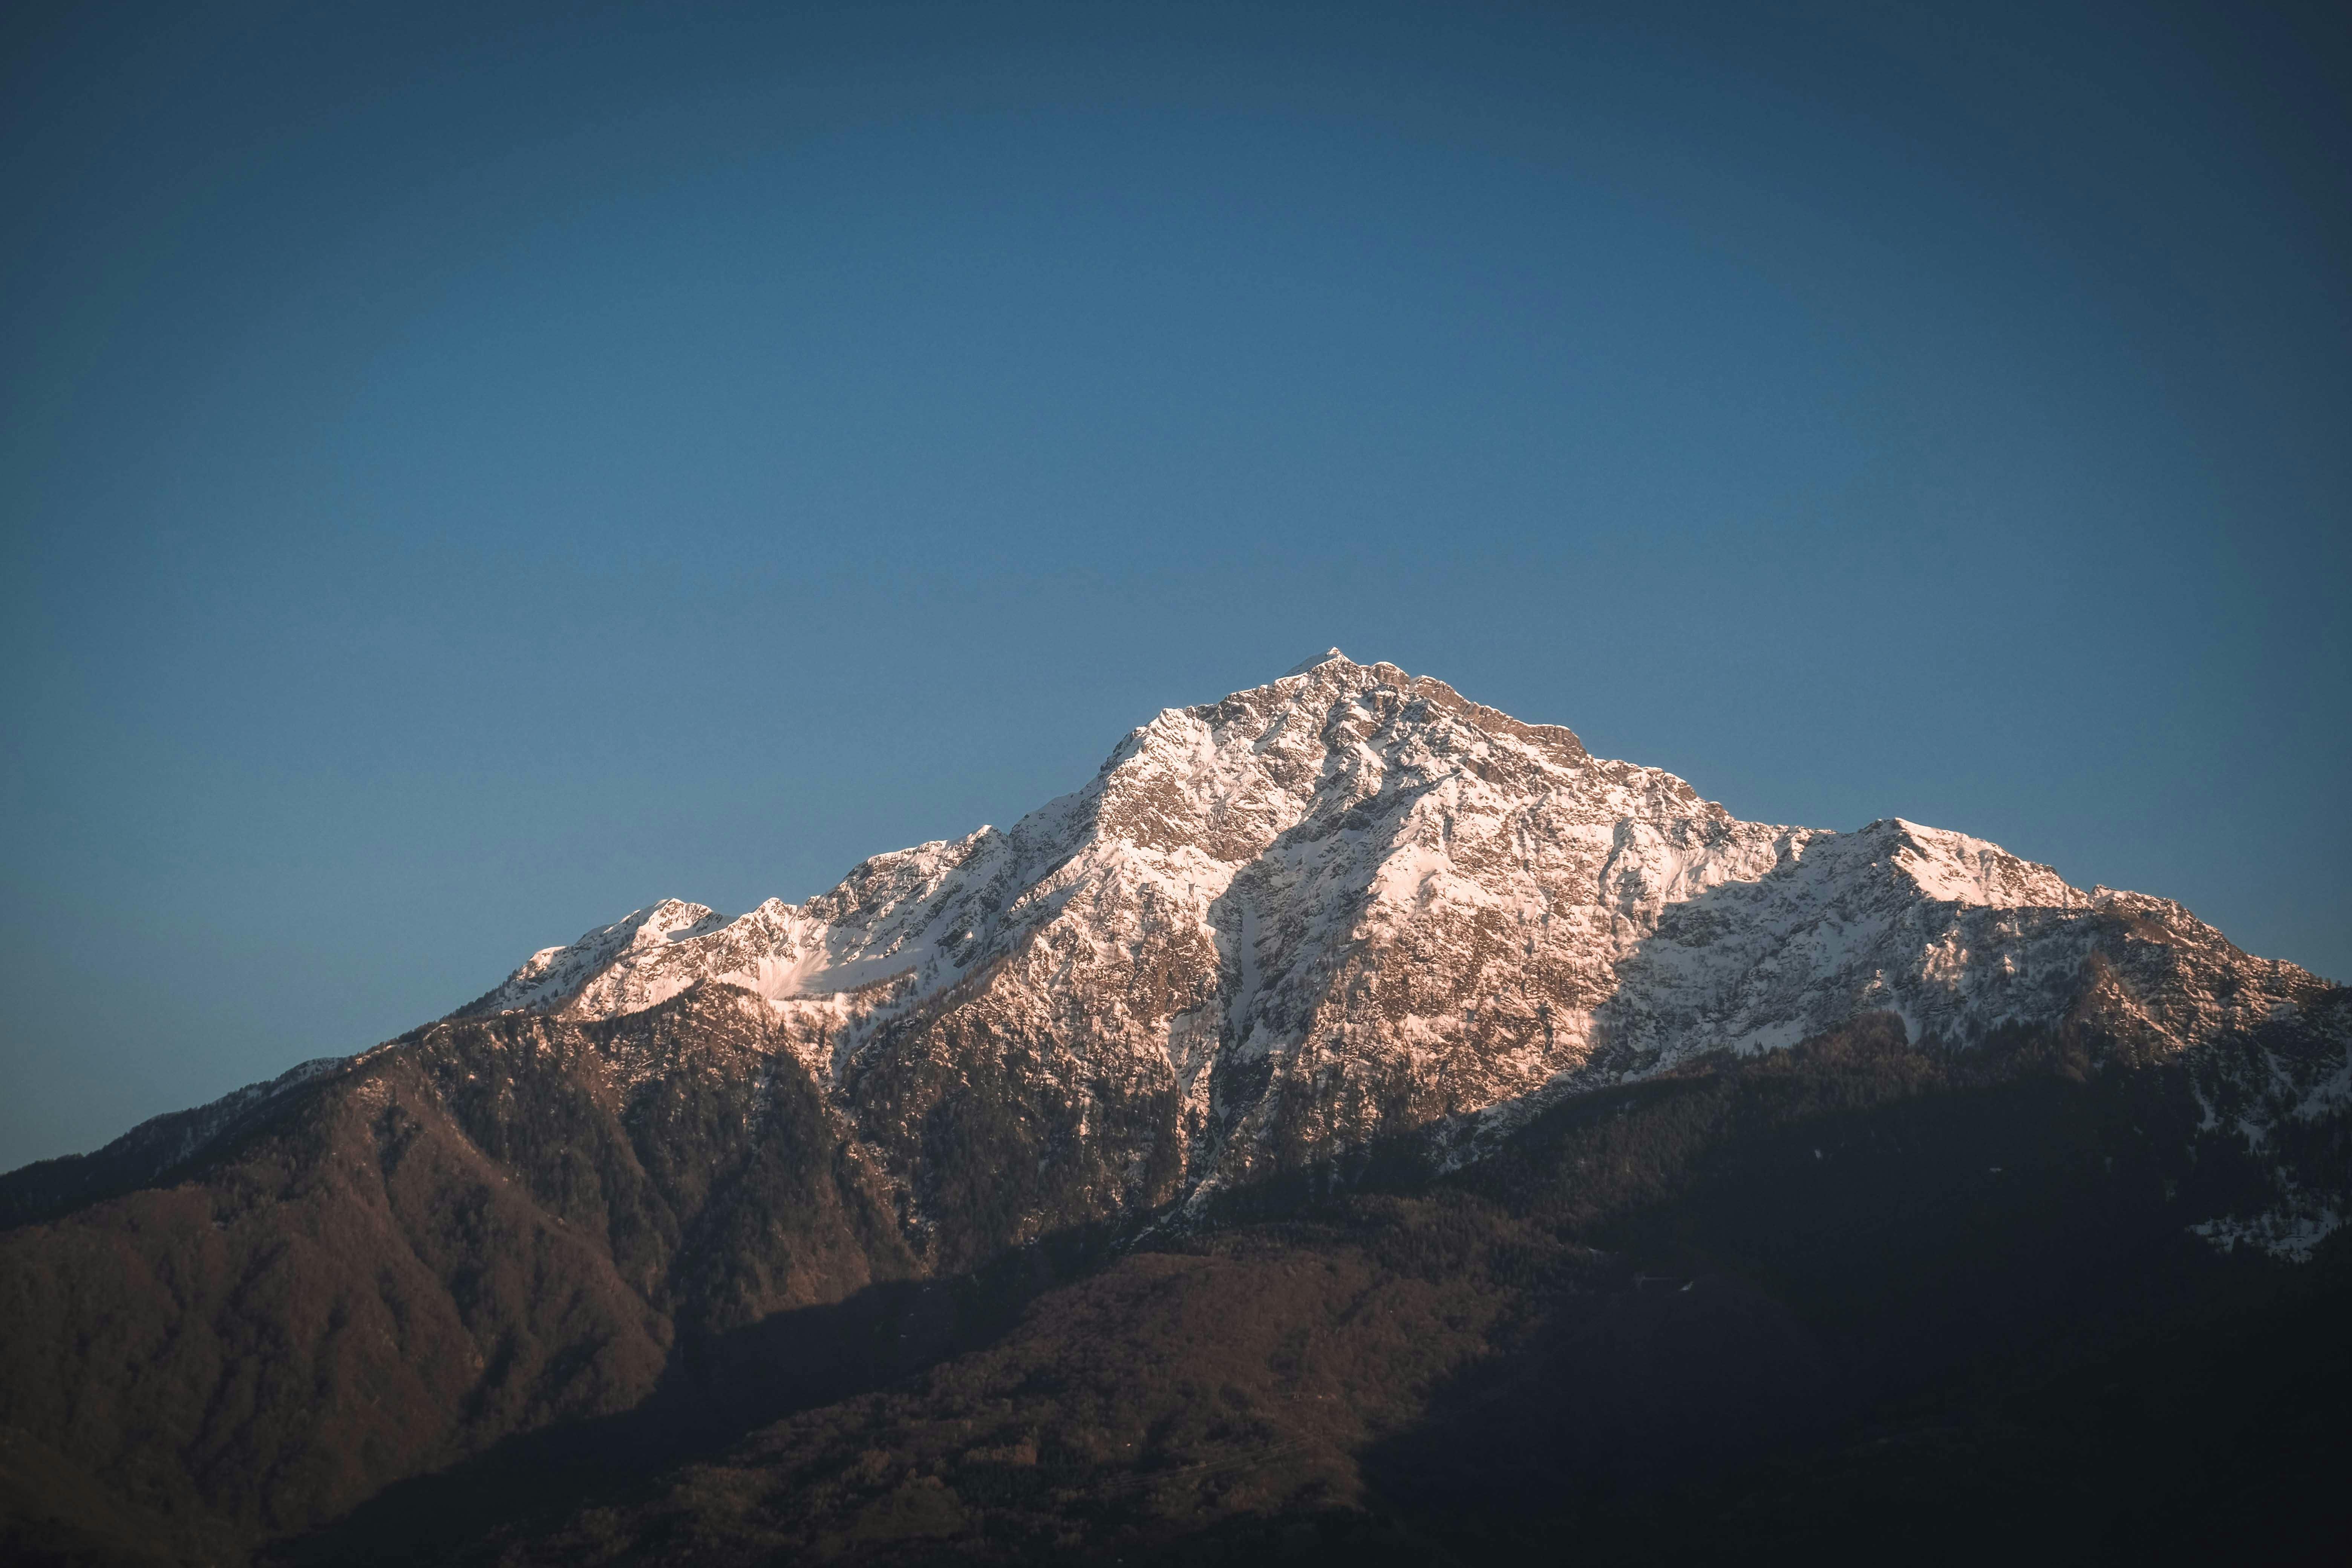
1350 903
1345 951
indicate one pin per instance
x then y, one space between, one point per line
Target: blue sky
465 476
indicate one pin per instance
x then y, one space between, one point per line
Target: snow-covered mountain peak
1953 868
1304 665
554 974
1352 899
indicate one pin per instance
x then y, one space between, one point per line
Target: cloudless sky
468 471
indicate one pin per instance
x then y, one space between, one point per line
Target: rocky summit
1342 935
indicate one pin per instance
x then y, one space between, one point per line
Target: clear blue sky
467 476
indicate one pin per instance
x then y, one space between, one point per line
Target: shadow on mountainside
1939 1306
1856 1299
714 1390
2026 1352
1857 1294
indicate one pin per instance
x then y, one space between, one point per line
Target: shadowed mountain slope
1803 1300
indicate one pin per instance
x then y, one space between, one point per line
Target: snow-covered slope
1350 902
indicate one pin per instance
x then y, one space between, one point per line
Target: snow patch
2290 1234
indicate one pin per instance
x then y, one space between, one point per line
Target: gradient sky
470 471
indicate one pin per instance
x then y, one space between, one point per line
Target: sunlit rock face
1351 903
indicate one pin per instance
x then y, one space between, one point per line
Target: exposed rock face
1353 902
